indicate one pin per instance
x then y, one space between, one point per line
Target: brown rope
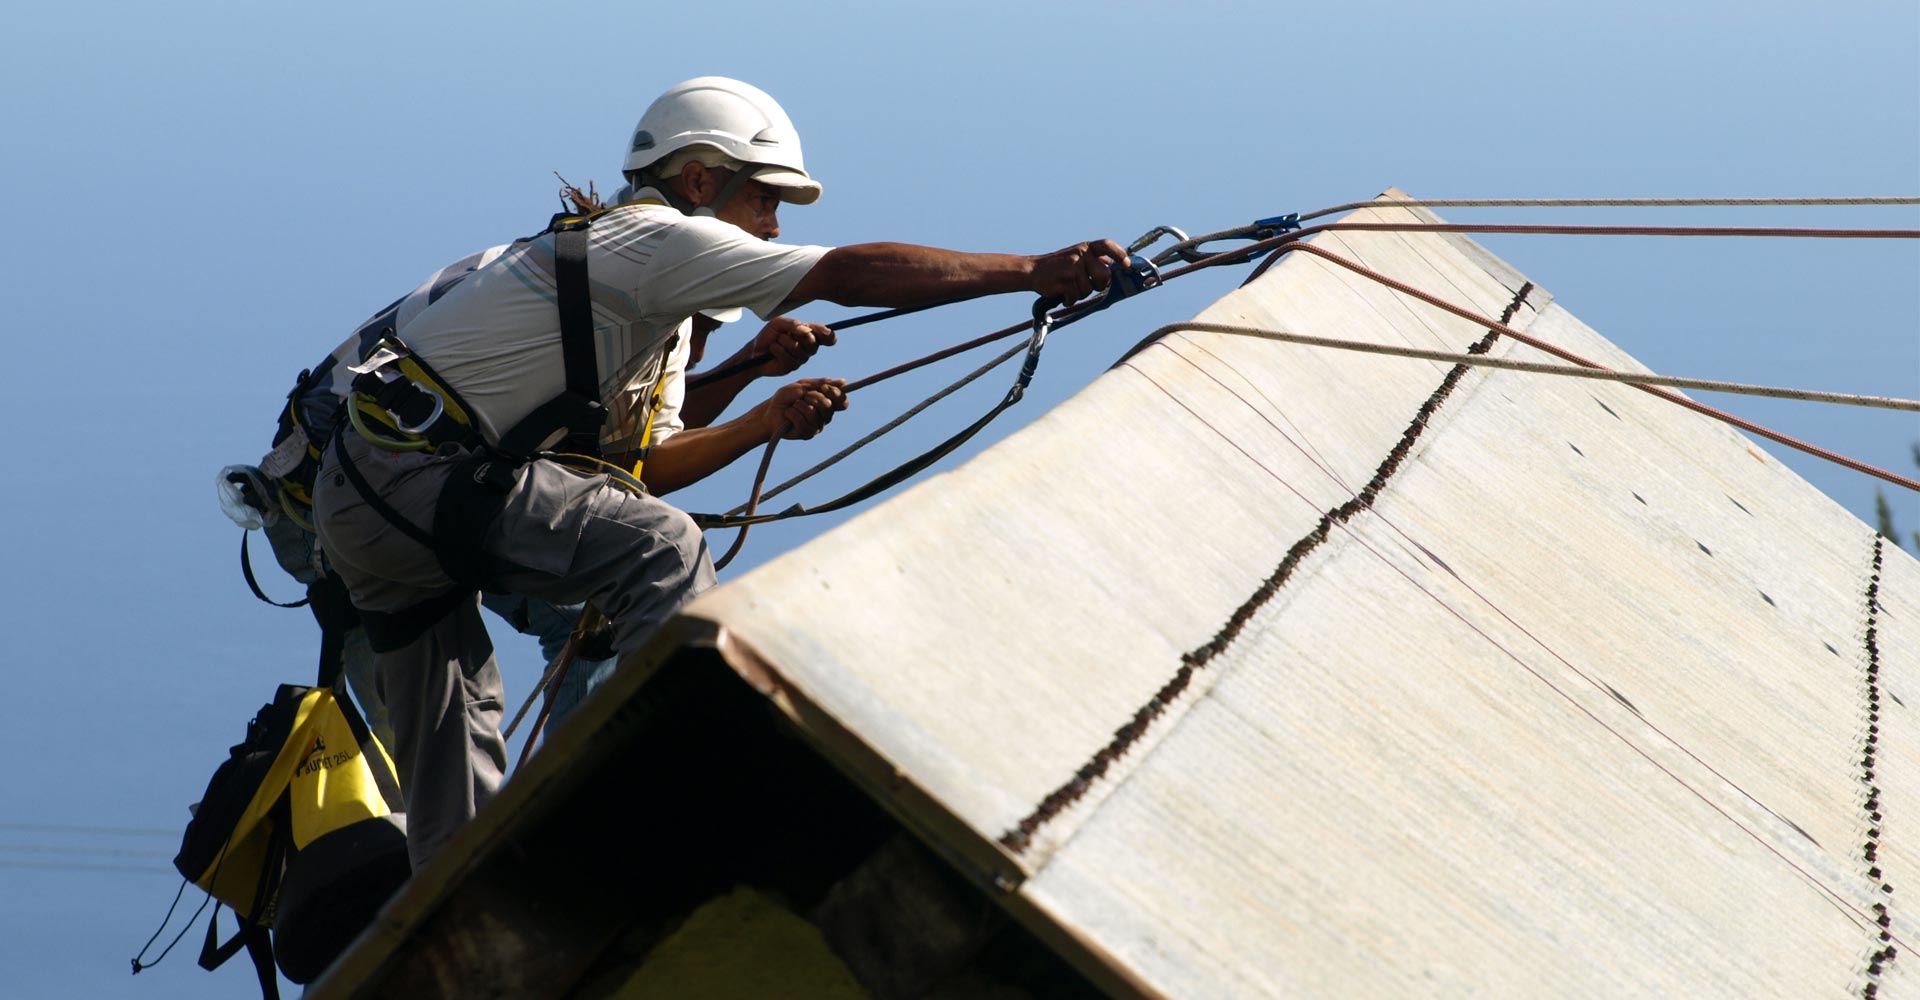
590 620
753 505
1604 203
1671 397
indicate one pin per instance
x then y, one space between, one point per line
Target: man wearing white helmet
412 532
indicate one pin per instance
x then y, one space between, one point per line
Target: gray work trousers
569 538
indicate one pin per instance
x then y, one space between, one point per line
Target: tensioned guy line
1600 374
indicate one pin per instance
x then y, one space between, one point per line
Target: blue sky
206 197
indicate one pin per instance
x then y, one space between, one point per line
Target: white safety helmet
736 118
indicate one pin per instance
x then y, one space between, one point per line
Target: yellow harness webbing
654 403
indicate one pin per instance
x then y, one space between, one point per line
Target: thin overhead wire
84 852
1600 374
1269 235
88 830
77 866
1605 203
1528 229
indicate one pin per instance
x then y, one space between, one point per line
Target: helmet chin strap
679 201
741 176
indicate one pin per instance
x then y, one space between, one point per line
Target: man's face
754 208
697 345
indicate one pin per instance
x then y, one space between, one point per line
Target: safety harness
399 403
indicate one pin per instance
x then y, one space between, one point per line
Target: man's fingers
834 389
1080 270
1102 257
1099 271
793 344
800 422
809 416
1114 252
807 406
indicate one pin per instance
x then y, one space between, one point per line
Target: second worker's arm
786 343
799 410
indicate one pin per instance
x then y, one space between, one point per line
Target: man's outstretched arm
901 274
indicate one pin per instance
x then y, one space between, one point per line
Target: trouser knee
673 568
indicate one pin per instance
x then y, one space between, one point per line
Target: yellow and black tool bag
301 833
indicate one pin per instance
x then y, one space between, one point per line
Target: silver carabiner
439 407
1152 236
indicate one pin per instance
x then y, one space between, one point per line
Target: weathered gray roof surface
1577 706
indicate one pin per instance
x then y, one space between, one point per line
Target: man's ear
697 183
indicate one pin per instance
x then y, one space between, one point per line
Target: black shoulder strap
576 309
253 933
260 949
259 944
577 410
576 323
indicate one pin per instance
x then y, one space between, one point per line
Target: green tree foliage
1883 511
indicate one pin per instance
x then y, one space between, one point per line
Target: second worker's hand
790 343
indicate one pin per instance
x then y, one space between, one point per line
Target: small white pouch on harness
233 501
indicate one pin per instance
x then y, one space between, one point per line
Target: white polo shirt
495 336
321 404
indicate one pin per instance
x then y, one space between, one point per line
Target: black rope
1041 323
139 965
753 505
1125 282
246 570
698 379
